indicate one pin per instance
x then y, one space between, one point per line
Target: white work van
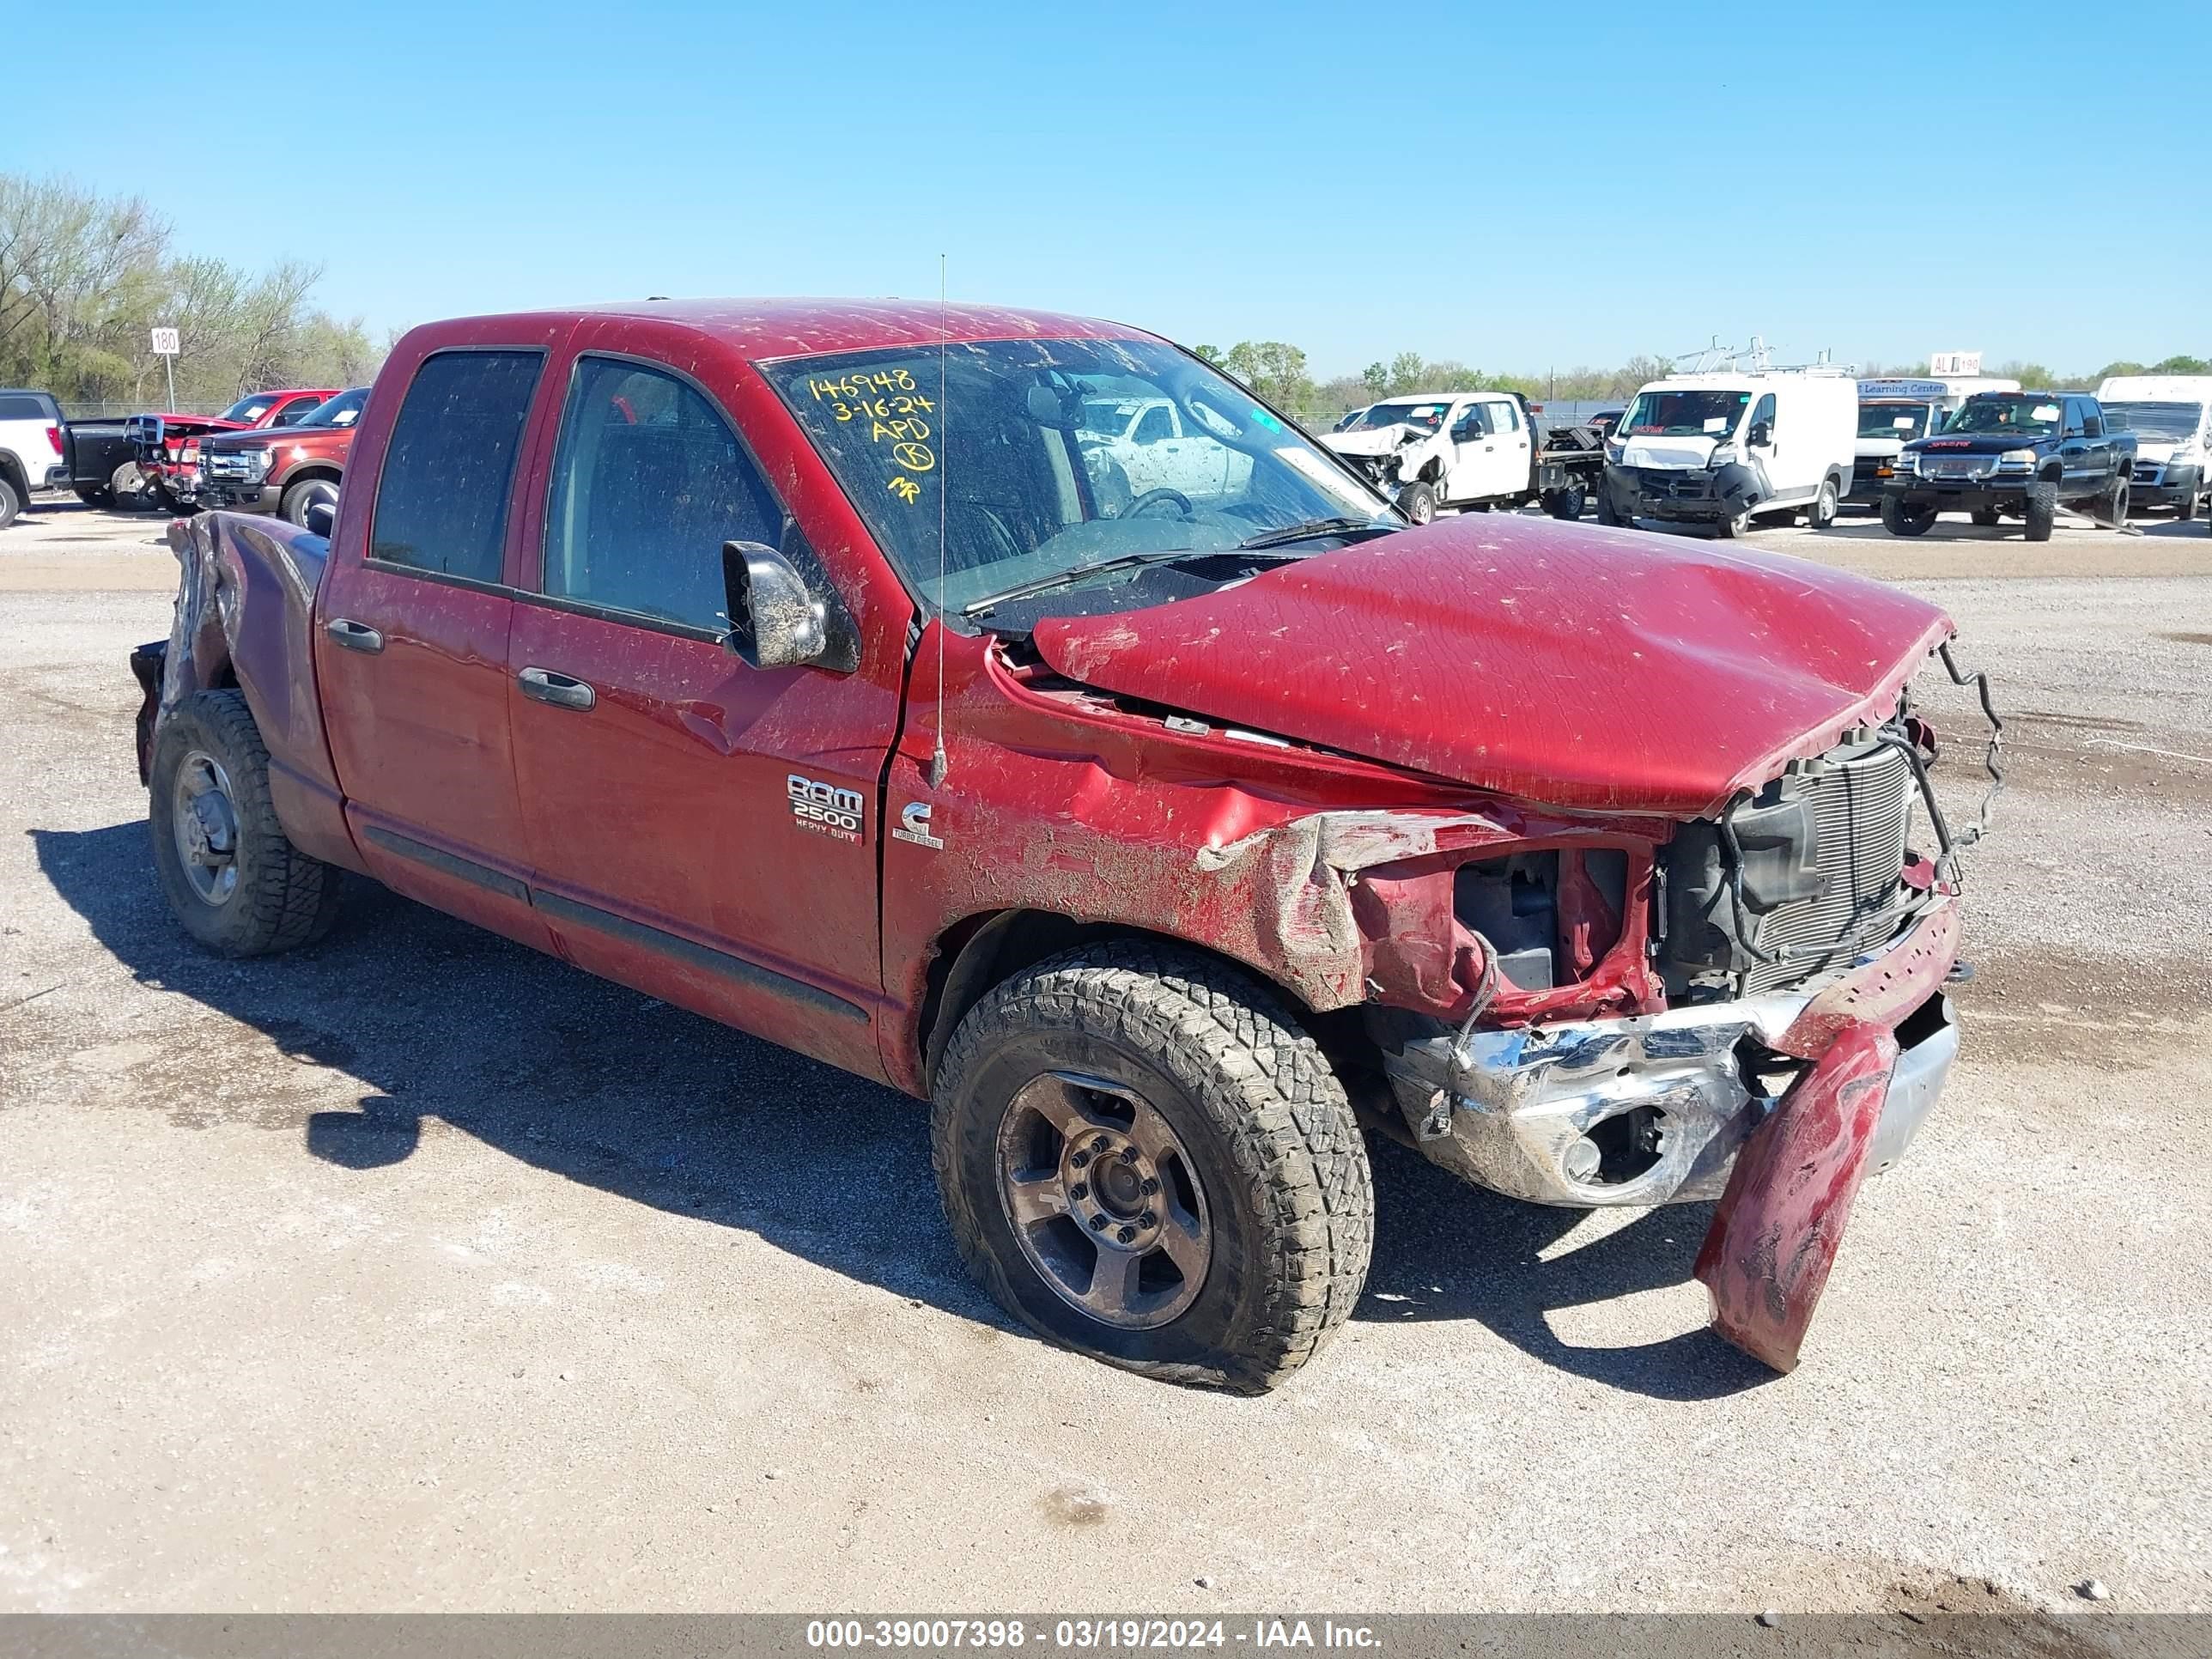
1894 411
2171 415
1722 449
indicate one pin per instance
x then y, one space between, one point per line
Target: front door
1761 444
411 645
699 830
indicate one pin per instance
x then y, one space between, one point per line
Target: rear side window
441 502
15 406
649 482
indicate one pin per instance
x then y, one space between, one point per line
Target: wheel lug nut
1099 1144
1097 1224
1149 1186
1128 1235
1148 1219
1081 1160
1081 1189
1128 1155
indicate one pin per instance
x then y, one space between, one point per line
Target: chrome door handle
546 685
354 636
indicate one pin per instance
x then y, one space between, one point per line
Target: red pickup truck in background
805 663
169 446
286 472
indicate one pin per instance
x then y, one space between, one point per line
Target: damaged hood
1373 440
1596 670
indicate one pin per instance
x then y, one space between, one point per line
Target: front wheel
310 492
2115 503
231 876
1729 529
2042 511
1903 517
1418 501
1822 512
1143 1156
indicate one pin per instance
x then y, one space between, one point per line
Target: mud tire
2042 510
284 899
1264 1123
1899 519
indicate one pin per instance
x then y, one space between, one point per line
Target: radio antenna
939 764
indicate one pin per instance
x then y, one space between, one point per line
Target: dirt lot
418 1271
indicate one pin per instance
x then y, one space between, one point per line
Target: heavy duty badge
824 808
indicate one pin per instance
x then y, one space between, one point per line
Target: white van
2171 415
1893 412
1722 449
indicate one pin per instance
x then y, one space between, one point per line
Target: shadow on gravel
593 1081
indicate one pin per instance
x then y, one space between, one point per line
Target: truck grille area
1821 852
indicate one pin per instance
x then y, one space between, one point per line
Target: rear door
702 830
412 648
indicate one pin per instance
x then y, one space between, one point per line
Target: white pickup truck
30 449
1146 444
1464 449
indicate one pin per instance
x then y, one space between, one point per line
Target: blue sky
1509 185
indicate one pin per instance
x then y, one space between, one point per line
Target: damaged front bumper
1641 1111
1685 495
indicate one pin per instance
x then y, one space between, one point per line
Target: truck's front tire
2042 510
1901 517
1142 1155
230 876
1418 501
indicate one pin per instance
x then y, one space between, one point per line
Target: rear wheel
2042 510
1902 518
126 488
93 495
11 502
1142 1155
2115 503
231 876
1418 501
1566 503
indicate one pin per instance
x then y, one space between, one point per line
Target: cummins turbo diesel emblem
914 826
824 808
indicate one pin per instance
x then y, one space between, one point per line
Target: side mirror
776 620
321 518
1761 435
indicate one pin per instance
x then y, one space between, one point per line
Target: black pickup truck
2021 453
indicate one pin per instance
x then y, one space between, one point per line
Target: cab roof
761 329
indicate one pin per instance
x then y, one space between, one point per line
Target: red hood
1600 669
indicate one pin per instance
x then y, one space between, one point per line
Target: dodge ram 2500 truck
2022 453
786 660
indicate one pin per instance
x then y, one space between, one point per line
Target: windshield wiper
1313 527
1099 567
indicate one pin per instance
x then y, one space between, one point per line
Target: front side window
2024 417
1901 421
1659 413
1008 456
1155 428
296 412
649 482
1764 415
250 410
442 500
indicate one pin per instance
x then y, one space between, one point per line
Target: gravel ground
417 1271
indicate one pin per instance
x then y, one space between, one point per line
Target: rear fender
244 617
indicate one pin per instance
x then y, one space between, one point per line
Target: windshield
1428 414
1657 414
2178 422
1013 458
2031 417
341 411
250 410
1906 421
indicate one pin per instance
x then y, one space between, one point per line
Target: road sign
165 342
1963 364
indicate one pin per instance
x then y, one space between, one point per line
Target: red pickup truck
287 472
169 446
821 668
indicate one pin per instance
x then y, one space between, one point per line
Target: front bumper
1870 475
2005 492
1526 1112
240 497
1688 495
2157 484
